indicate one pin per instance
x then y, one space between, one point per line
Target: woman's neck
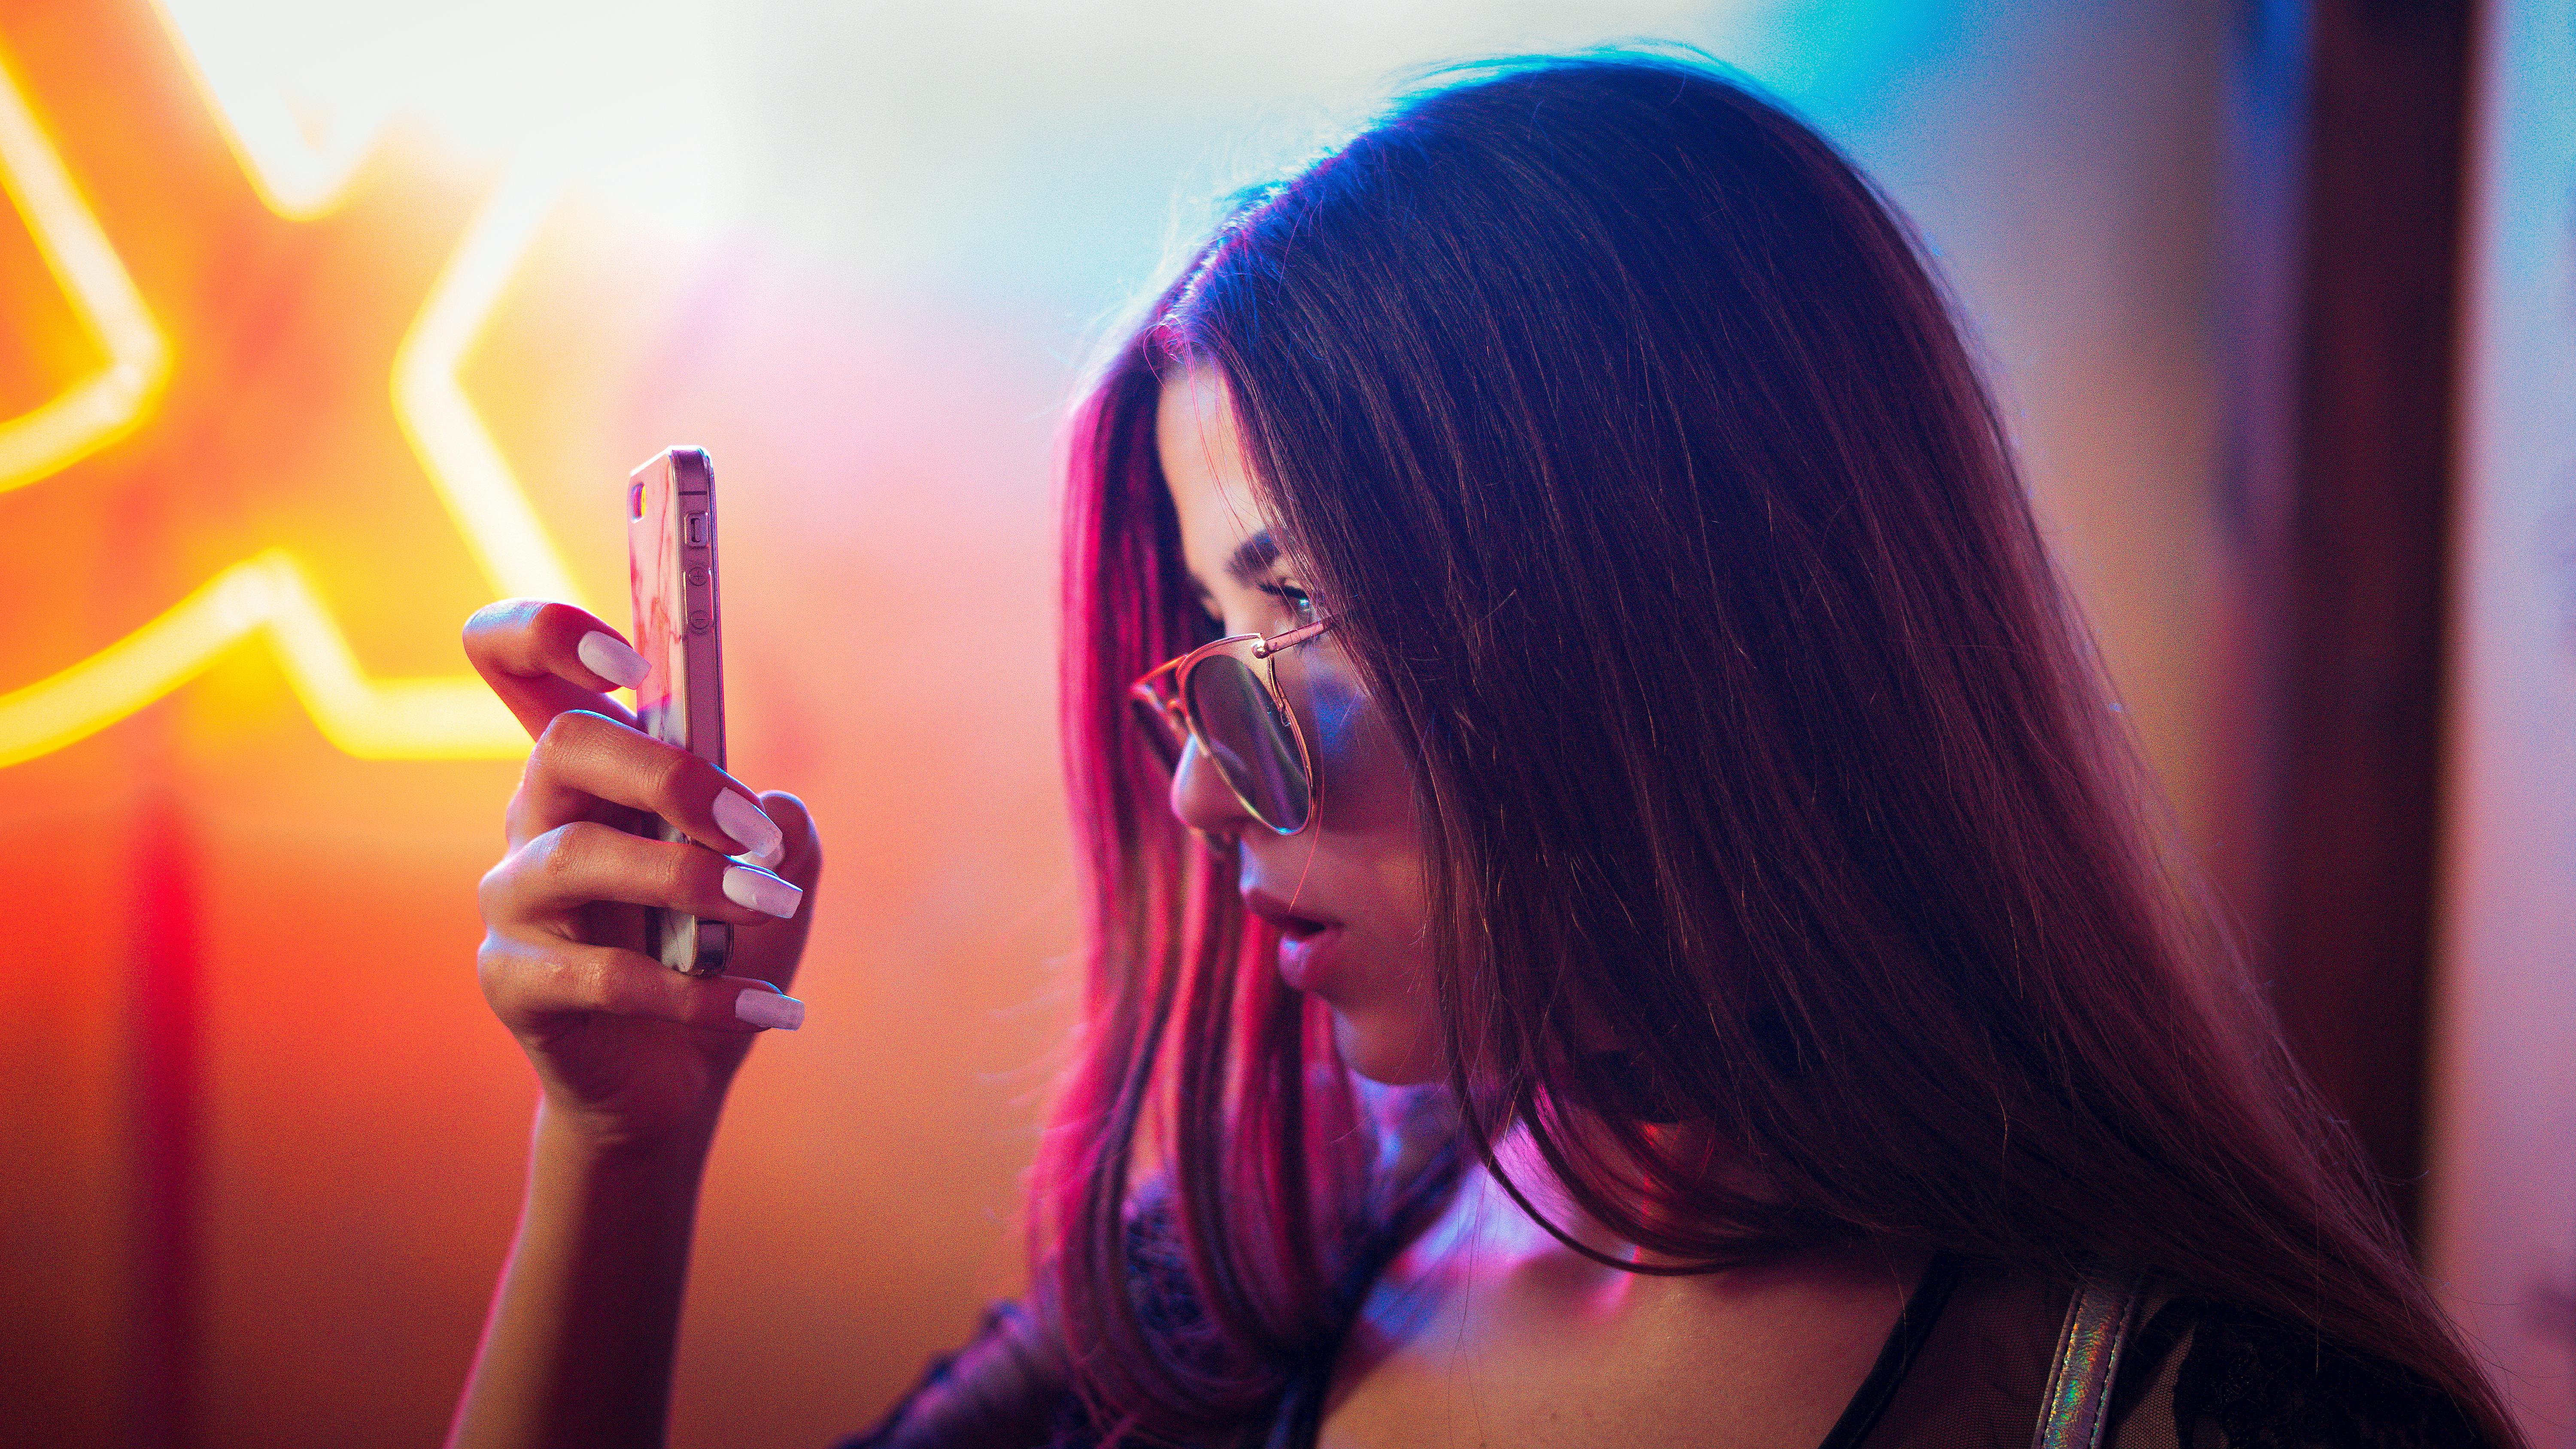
1517 1208
1519 1203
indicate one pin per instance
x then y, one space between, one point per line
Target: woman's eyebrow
1252 558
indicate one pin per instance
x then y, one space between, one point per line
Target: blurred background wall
327 322
2500 1221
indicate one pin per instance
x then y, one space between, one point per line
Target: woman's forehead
1202 456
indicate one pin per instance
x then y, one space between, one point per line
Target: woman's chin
1389 1053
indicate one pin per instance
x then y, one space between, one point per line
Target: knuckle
492 973
489 958
493 618
586 860
550 861
612 984
674 780
508 970
565 731
492 892
667 871
521 812
574 847
580 981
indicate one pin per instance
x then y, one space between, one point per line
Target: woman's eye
1297 599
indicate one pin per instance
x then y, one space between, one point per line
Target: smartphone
671 559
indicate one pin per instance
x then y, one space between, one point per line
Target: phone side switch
697 530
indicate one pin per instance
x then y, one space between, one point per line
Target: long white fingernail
758 834
769 1008
607 656
761 891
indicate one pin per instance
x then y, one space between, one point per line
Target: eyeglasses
1225 695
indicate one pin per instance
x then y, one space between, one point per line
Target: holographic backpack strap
2098 1319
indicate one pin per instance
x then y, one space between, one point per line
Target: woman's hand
630 1053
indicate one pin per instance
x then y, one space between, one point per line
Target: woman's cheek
1405 890
1396 1010
1367 786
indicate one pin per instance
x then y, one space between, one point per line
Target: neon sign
270 596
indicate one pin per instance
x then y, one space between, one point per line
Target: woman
1619 911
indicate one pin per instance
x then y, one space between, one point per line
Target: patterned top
1970 1364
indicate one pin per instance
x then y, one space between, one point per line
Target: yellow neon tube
264 595
269 594
295 177
465 465
108 404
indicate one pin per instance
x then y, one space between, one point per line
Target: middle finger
584 759
573 865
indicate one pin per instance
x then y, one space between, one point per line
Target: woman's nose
1201 798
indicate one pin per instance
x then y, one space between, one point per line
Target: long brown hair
1623 425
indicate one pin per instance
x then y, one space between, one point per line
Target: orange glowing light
108 404
269 595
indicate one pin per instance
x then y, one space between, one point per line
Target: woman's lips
1304 940
1302 957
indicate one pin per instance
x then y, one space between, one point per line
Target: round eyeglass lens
1252 742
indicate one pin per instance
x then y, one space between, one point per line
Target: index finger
544 658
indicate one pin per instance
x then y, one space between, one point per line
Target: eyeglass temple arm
1291 639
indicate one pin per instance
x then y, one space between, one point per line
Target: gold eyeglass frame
1165 691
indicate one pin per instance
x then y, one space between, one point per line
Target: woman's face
1347 893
